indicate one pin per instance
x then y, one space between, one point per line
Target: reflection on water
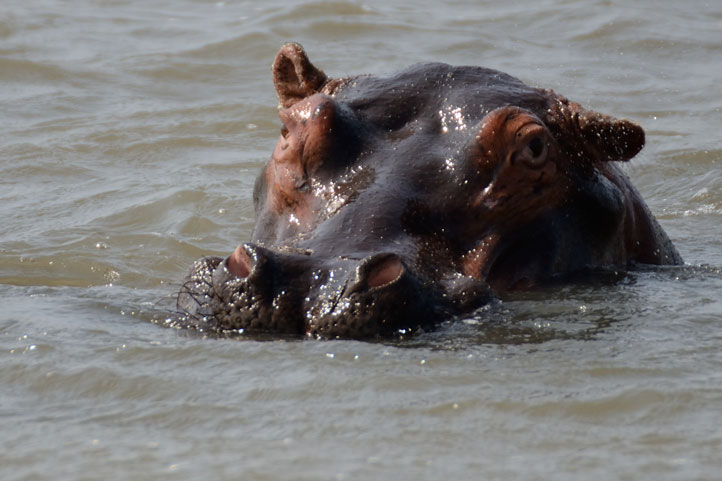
132 135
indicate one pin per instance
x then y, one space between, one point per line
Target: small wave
314 10
707 209
254 43
14 70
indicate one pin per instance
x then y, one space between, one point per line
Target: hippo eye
536 146
533 153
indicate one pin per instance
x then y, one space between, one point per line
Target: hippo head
391 204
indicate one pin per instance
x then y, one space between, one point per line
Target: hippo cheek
516 260
582 235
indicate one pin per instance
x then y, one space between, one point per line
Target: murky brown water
131 133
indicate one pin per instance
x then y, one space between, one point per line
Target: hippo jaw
392 204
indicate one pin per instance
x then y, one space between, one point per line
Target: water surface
131 136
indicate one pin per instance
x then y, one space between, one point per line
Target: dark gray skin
392 204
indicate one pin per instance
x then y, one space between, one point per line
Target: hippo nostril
239 263
384 271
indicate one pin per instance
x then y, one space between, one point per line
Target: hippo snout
257 290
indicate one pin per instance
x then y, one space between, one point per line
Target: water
131 135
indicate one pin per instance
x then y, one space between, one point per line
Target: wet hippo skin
390 204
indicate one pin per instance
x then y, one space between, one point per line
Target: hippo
391 204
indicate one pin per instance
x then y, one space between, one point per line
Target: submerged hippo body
391 204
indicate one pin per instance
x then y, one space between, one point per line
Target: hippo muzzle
392 204
259 290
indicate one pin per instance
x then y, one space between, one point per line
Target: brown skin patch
477 262
306 138
522 154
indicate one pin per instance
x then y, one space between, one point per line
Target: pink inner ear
385 272
239 264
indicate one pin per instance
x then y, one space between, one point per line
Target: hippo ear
294 76
600 136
